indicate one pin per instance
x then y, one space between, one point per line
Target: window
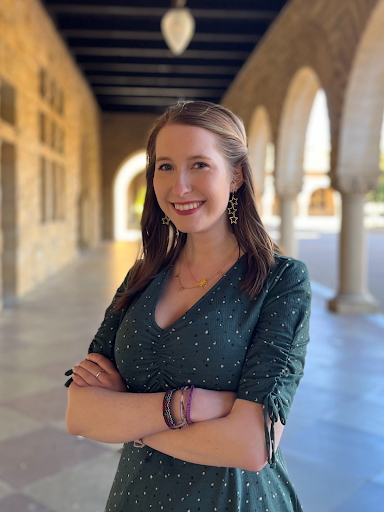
7 102
42 127
47 191
59 189
43 83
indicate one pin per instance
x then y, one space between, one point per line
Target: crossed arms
226 431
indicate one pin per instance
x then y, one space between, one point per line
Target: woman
212 304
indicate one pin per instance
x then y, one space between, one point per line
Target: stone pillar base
353 304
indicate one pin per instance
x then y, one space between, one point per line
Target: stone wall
54 112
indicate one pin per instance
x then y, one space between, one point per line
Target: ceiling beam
157 53
158 81
156 102
176 69
157 91
157 36
155 12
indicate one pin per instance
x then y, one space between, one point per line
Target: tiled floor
333 441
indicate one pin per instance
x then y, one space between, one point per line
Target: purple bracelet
189 403
182 413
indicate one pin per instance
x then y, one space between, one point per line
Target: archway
129 169
290 150
358 163
317 198
260 137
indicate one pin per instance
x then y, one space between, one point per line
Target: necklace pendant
202 283
181 288
177 275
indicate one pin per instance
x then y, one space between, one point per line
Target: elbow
254 464
72 416
72 427
255 459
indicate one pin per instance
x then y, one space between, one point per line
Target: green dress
226 341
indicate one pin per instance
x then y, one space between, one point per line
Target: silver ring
101 371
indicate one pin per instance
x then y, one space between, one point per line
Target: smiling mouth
189 206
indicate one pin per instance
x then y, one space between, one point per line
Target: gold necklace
206 280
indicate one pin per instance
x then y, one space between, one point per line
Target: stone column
287 200
353 296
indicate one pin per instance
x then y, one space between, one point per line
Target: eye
165 167
200 165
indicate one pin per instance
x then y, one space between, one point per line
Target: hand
84 374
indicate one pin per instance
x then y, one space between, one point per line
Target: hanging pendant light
178 27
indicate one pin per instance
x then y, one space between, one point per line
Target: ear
237 179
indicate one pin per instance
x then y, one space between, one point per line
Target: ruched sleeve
104 340
274 362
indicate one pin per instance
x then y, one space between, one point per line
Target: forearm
237 440
113 417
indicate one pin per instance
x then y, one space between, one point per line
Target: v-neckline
182 317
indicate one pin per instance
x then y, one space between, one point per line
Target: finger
90 367
87 376
79 381
104 363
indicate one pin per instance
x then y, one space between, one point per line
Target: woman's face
191 181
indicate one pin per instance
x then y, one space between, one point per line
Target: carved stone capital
288 190
352 184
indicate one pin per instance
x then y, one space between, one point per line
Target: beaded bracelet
167 414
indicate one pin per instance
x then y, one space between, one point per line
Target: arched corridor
81 86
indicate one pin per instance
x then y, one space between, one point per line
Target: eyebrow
193 157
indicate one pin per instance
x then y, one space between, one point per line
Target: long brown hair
163 244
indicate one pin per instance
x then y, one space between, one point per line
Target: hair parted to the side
161 245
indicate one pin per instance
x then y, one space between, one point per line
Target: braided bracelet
167 414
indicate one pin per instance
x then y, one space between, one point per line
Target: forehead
179 138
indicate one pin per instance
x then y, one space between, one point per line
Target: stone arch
292 130
362 117
127 171
260 135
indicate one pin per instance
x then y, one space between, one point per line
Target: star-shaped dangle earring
232 210
166 220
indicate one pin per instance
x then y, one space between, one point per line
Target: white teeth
190 206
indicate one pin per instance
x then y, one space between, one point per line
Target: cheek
158 188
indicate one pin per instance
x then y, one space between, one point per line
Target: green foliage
377 195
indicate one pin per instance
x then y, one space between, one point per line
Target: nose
181 183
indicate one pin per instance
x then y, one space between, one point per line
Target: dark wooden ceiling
120 49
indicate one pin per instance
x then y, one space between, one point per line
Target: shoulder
288 273
289 265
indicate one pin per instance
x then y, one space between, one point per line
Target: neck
209 247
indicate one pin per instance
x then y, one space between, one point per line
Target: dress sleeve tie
273 407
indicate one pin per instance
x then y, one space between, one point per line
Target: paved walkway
333 442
